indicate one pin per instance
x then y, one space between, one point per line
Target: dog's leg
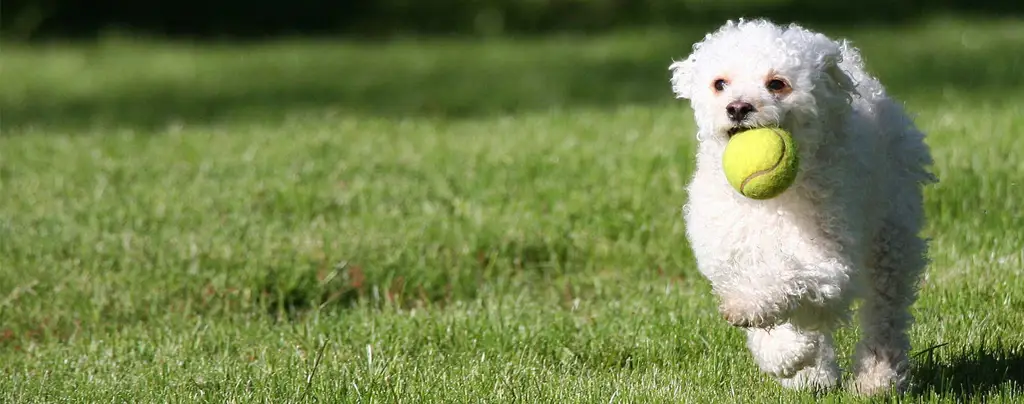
799 359
881 359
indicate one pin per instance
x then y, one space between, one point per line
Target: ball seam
782 156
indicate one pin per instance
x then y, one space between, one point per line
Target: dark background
253 19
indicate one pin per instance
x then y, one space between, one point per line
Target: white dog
788 269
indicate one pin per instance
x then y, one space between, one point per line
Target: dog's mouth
738 129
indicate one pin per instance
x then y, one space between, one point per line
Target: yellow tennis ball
761 163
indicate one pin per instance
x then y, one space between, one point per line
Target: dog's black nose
738 110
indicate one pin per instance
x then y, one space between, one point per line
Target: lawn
443 220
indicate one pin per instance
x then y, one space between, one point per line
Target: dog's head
755 73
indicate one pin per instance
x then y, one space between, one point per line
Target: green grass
442 221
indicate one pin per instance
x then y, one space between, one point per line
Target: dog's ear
682 77
836 75
840 79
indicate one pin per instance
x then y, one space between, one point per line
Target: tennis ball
761 163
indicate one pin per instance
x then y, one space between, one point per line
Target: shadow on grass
970 374
443 80
450 90
262 19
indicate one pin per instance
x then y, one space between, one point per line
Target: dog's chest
723 226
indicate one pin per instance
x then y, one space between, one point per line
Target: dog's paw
749 320
742 312
815 378
879 370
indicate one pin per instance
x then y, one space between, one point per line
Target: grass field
443 221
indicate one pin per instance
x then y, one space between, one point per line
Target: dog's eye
719 84
776 85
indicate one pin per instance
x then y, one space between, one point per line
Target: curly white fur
788 268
